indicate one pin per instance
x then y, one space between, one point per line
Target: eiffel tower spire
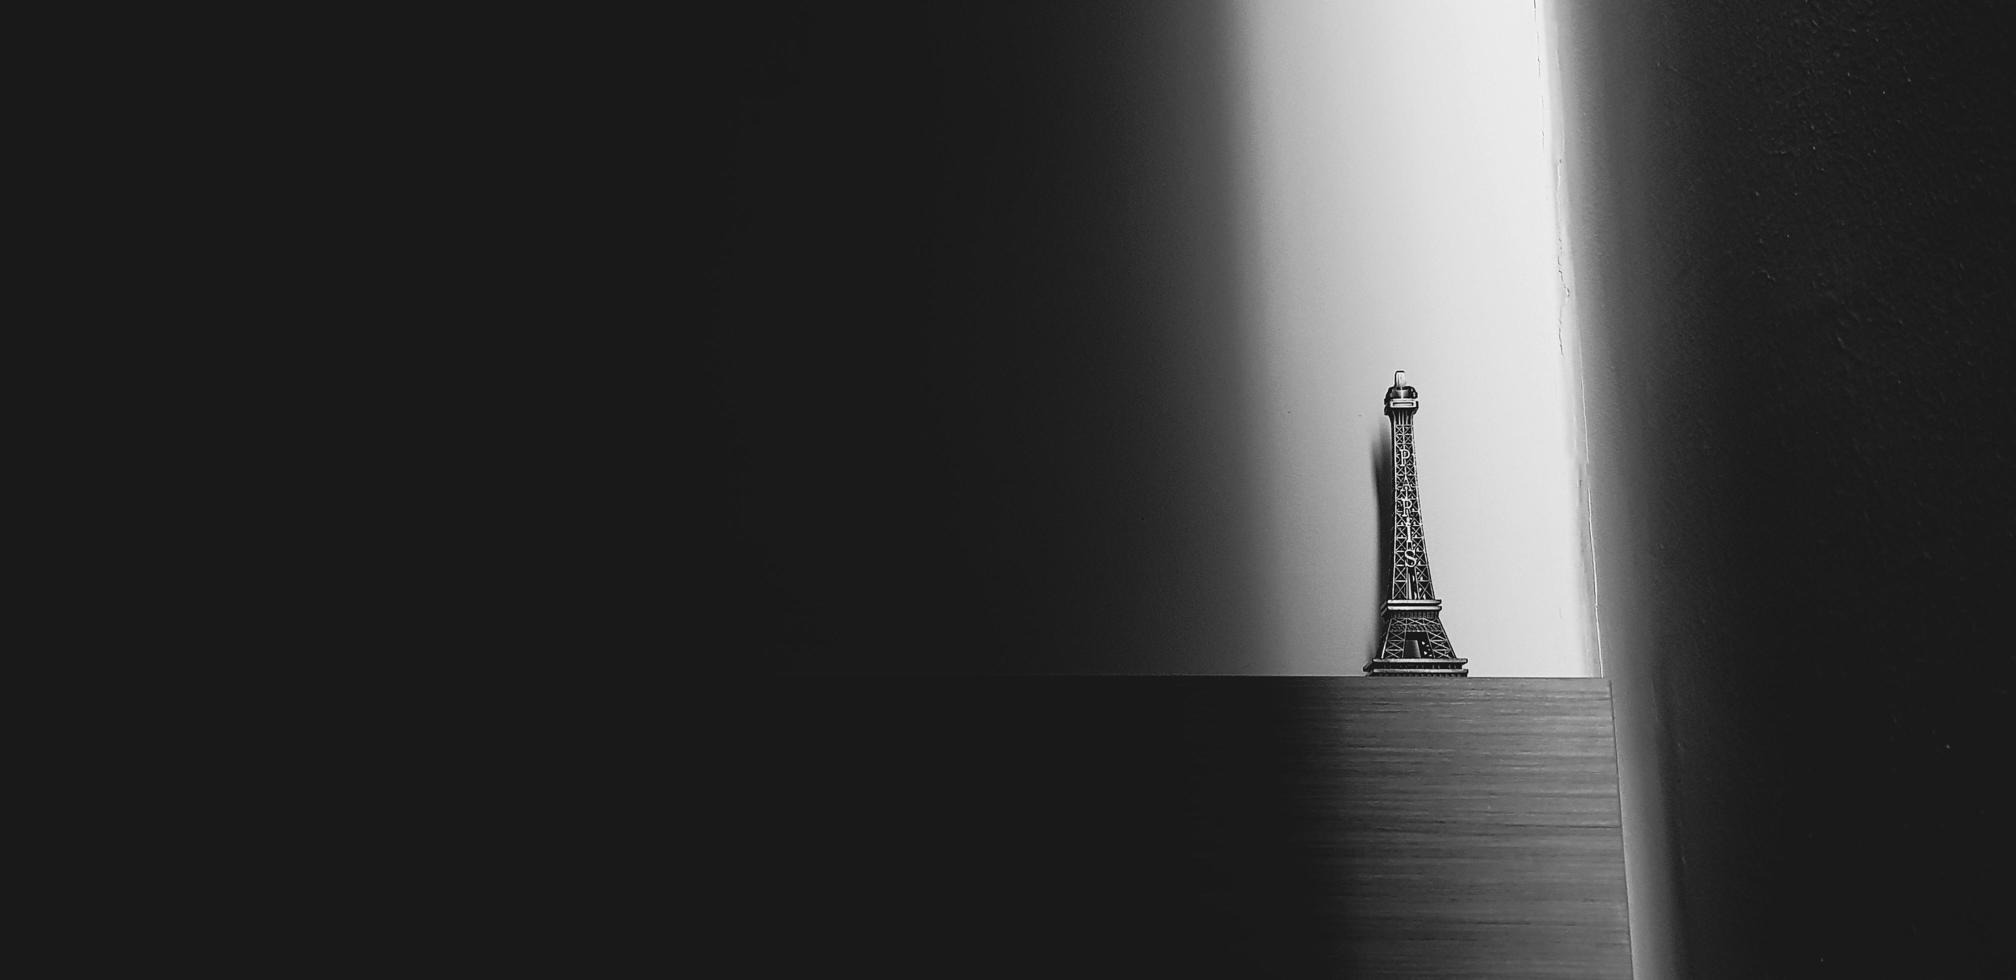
1415 642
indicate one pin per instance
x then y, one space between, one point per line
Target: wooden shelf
1395 827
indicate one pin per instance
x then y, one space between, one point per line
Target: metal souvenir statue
1415 643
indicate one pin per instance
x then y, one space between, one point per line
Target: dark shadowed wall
973 313
1793 227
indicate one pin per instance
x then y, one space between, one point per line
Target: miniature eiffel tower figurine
1415 642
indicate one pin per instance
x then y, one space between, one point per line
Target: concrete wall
1793 229
1053 336
976 326
1398 210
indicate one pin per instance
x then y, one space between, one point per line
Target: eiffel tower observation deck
1415 644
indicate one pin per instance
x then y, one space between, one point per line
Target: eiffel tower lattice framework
1415 644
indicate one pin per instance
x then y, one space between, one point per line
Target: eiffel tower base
1417 667
1416 645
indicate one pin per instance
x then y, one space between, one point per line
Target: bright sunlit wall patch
1399 214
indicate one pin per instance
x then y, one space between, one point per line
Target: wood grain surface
1212 826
